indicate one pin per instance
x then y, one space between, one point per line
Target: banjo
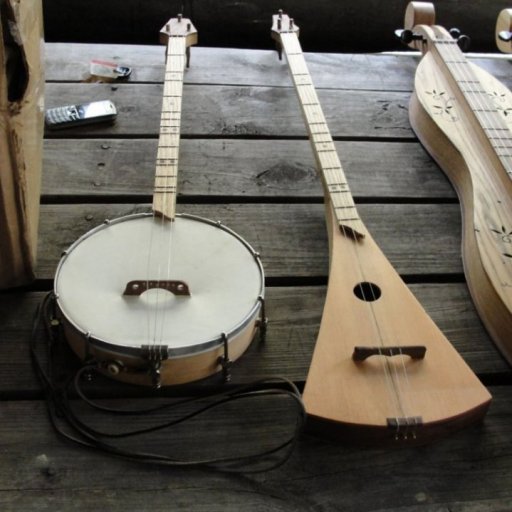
162 298
462 116
381 369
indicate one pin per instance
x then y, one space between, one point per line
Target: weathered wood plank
225 66
236 111
417 239
289 345
325 26
469 471
238 168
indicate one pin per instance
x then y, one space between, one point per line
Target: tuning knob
455 33
505 35
462 40
464 43
407 36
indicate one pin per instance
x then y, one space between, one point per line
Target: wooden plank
417 239
226 66
238 168
362 27
468 471
236 111
289 345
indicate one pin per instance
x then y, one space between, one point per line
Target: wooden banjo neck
381 369
179 34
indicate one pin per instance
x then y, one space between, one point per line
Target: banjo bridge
413 351
138 287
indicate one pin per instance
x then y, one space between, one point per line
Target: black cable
79 432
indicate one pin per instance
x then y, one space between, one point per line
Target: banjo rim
189 350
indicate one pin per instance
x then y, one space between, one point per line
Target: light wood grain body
359 398
455 140
368 305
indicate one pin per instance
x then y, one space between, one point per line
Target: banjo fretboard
181 34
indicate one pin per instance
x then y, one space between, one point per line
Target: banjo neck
336 188
179 34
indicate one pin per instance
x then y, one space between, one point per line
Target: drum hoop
173 352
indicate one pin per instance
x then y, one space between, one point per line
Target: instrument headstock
179 27
420 28
282 23
504 31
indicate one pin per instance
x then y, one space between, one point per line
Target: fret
325 150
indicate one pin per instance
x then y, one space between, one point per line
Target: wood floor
245 160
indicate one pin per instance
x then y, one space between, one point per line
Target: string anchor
154 355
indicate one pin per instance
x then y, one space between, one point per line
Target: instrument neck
166 173
479 100
336 188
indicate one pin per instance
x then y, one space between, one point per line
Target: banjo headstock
282 24
179 27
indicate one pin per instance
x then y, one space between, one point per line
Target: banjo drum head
223 273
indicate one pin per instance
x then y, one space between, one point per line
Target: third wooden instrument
462 115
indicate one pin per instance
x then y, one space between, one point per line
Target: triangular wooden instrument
381 369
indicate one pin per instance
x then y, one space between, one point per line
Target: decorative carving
444 105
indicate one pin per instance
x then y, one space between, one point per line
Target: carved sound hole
367 291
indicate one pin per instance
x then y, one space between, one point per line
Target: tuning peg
455 33
462 40
407 36
505 35
464 43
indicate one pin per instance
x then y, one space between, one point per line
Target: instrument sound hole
367 291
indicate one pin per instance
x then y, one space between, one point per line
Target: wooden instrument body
359 400
222 271
451 133
393 395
